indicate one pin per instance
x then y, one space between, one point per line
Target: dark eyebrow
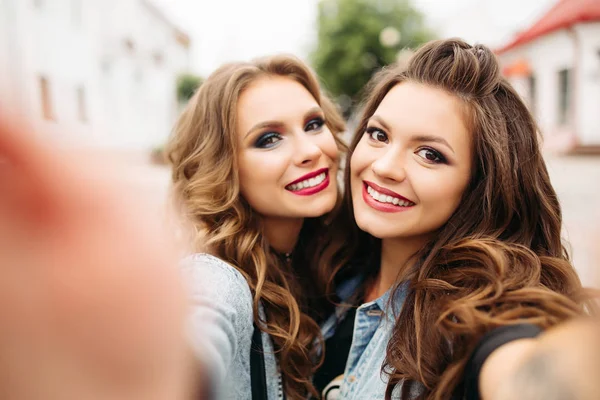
381 122
430 138
313 111
417 138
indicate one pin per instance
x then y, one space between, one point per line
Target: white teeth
382 198
311 182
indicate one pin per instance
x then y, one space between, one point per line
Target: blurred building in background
555 65
105 69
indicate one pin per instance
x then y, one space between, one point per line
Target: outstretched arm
90 299
561 363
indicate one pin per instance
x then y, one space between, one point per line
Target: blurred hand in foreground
90 300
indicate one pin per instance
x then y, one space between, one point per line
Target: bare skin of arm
561 364
90 300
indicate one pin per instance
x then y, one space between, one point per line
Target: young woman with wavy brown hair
254 162
452 224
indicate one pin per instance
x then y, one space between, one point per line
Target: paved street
577 182
576 179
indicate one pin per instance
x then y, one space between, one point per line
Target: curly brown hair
202 152
498 260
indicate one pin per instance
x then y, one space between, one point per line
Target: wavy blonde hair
498 260
203 154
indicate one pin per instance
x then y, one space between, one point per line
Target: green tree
358 37
186 86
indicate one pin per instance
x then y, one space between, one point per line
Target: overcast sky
225 30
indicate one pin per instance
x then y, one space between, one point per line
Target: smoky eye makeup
267 140
314 123
431 155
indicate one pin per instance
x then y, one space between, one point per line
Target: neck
282 233
396 257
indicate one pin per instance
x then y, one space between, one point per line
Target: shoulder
213 280
221 317
212 271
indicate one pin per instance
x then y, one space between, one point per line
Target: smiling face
412 165
288 157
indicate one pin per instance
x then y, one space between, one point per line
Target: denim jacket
373 326
221 327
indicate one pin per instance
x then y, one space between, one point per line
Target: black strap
258 376
486 346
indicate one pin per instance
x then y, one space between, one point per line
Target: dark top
486 346
337 348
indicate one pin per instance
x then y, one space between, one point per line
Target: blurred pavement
577 182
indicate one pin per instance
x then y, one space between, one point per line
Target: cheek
259 175
443 192
329 146
359 160
262 167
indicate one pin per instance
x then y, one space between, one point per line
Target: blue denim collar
392 300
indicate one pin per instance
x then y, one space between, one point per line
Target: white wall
130 99
549 54
9 67
589 99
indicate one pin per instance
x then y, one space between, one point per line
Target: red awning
518 68
564 14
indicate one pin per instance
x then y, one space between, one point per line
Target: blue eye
377 135
431 155
314 124
267 140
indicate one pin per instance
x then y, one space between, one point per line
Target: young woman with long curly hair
254 165
452 224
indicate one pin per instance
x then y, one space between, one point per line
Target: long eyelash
438 154
259 142
371 129
319 120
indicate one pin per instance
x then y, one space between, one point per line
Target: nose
307 150
390 166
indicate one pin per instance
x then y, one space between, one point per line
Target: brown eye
267 140
431 156
377 135
314 124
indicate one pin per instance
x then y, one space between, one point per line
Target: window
46 98
129 46
532 83
76 12
564 96
158 58
81 104
105 66
138 75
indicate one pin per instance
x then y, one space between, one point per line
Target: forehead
273 98
417 108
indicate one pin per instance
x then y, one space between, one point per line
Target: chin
377 233
321 206
315 212
377 229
